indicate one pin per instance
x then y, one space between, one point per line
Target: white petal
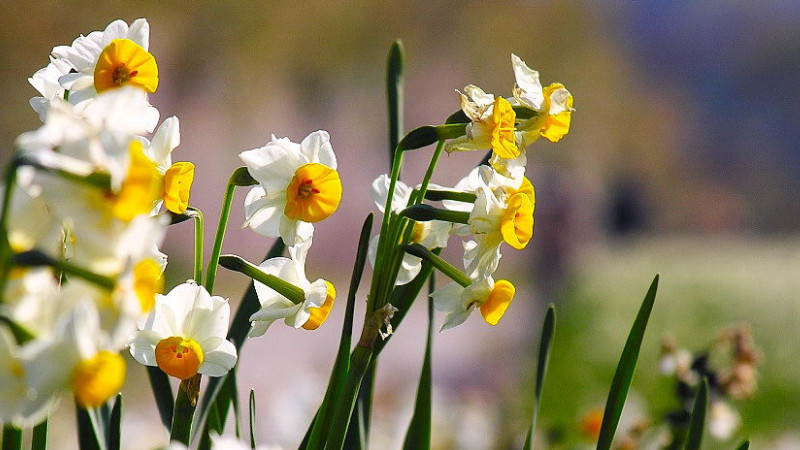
317 148
380 190
530 89
220 361
139 32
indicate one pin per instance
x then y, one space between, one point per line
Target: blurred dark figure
626 208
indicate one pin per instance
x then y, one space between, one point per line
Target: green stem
197 215
445 267
36 258
5 247
439 195
359 363
211 272
232 262
39 437
424 213
429 173
12 437
185 405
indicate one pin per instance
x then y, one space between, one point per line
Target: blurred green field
706 284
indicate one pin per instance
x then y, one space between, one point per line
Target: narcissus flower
458 302
298 185
185 334
103 60
177 177
18 407
308 312
491 127
553 105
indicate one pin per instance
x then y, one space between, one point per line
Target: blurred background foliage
683 159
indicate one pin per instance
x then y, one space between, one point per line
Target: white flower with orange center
458 302
553 105
310 304
177 177
491 124
185 334
103 60
298 186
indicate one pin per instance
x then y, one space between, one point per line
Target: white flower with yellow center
18 407
103 60
178 177
308 312
553 105
458 302
185 334
298 185
431 234
491 124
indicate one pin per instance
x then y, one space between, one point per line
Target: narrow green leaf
625 369
358 428
252 419
545 344
418 435
237 411
89 434
12 438
39 438
237 334
159 383
697 421
430 134
744 445
115 425
213 425
394 95
185 405
333 395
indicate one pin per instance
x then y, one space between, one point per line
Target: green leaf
625 369
694 435
159 383
430 134
418 435
333 395
212 425
12 438
744 445
394 95
39 437
545 344
252 419
115 425
89 433
185 405
237 334
358 428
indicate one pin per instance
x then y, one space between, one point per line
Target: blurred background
682 159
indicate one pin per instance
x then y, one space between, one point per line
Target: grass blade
744 445
12 438
697 421
625 369
115 425
545 345
418 435
39 438
162 391
252 419
89 435
333 395
394 95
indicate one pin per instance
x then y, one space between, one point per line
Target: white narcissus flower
177 177
185 334
103 60
723 420
309 312
17 405
458 302
491 124
298 185
553 105
431 234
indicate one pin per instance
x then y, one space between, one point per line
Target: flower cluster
82 226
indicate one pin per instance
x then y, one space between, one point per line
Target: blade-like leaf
545 344
89 435
12 438
333 395
162 391
115 425
252 419
358 429
625 369
418 435
394 95
39 438
430 134
697 421
744 445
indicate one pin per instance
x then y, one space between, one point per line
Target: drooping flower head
458 302
298 186
185 334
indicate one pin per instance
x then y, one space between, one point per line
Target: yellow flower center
147 281
516 225
97 379
179 357
420 231
177 184
142 186
320 315
495 306
502 128
313 194
125 62
555 126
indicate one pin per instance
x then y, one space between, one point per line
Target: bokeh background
683 159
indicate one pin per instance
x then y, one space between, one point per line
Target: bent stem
197 215
211 272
